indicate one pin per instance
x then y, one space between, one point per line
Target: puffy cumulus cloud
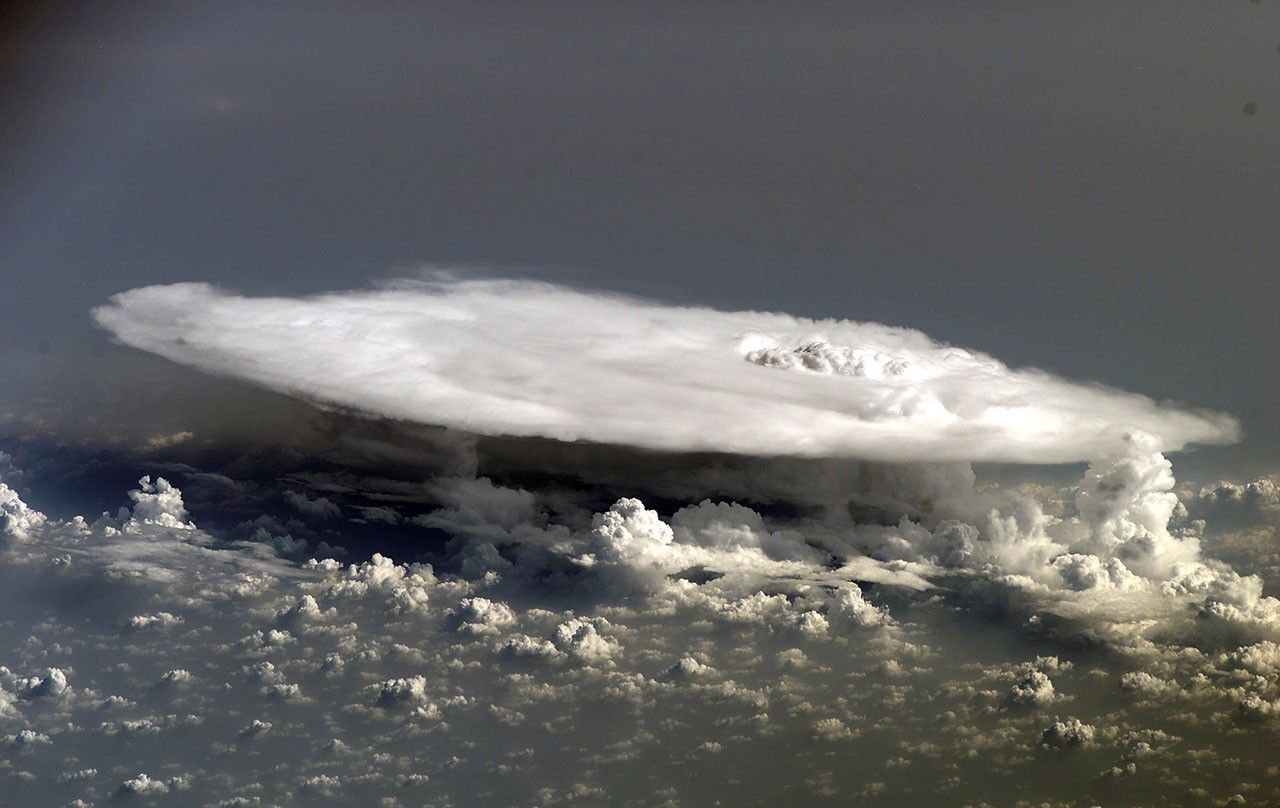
832 729
400 589
1114 535
1239 521
1234 504
1034 687
1116 531
529 648
232 676
1125 504
689 669
630 548
24 740
402 693
731 526
851 607
157 620
145 786
51 685
17 521
582 641
1082 572
1068 734
1146 685
156 503
1061 567
175 678
1262 659
529 359
1230 604
998 547
1122 530
633 545
480 616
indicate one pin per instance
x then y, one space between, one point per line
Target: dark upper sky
1093 188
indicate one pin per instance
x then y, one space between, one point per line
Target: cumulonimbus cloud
519 358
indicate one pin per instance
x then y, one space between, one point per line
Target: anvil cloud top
518 358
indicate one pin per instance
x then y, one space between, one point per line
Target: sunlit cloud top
536 360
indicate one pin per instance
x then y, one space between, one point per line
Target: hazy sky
1086 187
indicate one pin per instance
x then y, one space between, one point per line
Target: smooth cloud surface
536 360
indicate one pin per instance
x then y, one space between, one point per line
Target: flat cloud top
519 358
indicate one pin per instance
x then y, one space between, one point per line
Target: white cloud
529 359
581 641
1034 689
1068 734
403 693
530 648
851 608
527 685
24 740
1081 572
686 671
832 729
17 519
158 620
1146 685
255 729
51 685
479 617
176 678
729 526
145 786
157 503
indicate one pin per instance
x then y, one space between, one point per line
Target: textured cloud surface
535 360
145 661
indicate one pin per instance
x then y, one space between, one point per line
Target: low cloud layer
535 360
144 660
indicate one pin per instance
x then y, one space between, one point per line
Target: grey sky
1087 187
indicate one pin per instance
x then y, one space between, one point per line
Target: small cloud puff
157 503
1068 734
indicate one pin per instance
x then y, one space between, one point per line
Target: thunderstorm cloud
540 546
536 360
